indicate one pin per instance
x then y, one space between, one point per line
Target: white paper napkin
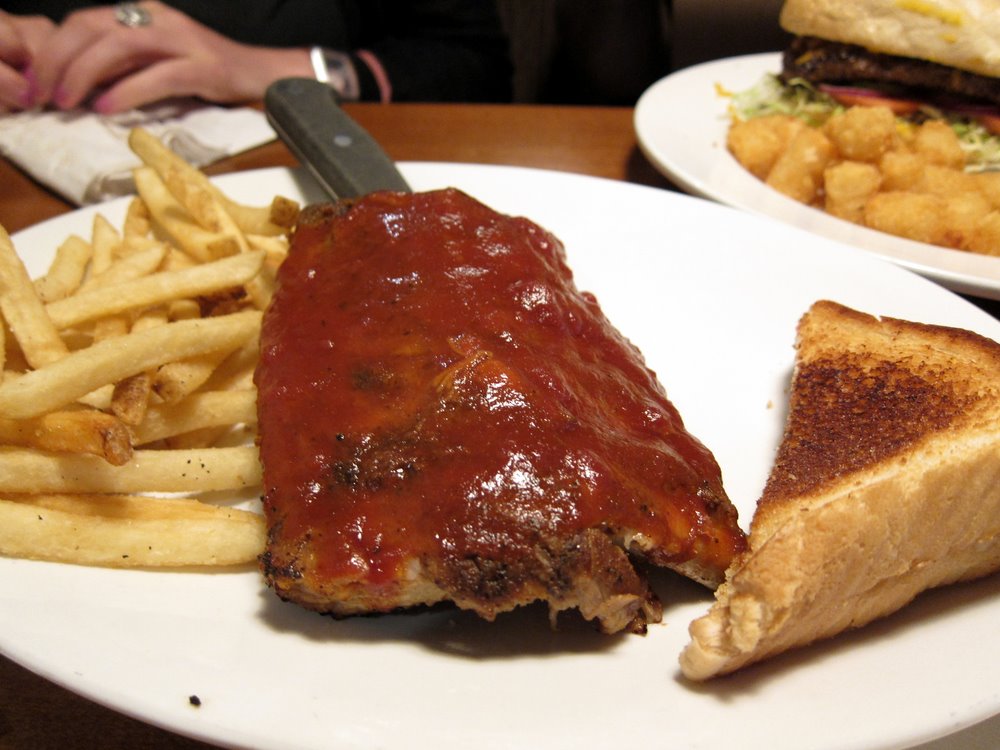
85 157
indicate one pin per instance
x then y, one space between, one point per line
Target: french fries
148 471
127 401
128 531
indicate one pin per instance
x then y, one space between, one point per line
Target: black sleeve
438 50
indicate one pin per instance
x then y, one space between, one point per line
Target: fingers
20 38
93 59
151 84
15 90
102 62
92 50
13 47
79 32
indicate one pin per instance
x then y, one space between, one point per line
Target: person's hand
21 37
92 58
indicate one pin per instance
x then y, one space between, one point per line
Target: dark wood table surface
38 715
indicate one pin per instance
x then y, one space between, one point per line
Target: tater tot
866 166
944 181
938 144
917 216
901 170
988 184
863 133
849 185
985 237
798 172
758 143
963 214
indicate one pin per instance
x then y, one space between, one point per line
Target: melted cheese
932 10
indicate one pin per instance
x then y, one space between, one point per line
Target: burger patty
820 61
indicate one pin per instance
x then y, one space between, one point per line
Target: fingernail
103 105
30 93
60 97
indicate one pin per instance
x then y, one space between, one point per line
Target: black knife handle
345 159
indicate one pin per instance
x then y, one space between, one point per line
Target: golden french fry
150 471
202 244
224 245
134 266
104 240
24 311
76 431
167 213
3 348
276 248
236 371
183 309
67 270
150 318
175 380
201 202
212 436
110 328
155 289
171 288
132 244
197 411
79 373
99 398
128 531
261 287
283 212
177 259
130 398
271 220
137 220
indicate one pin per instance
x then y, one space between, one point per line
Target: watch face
341 74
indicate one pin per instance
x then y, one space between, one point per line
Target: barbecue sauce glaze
434 387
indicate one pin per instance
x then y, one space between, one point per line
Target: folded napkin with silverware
86 159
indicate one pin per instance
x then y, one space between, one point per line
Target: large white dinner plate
712 296
681 123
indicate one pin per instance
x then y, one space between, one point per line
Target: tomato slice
855 96
990 122
852 96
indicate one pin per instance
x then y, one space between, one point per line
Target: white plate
712 296
681 123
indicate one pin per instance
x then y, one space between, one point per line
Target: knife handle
341 154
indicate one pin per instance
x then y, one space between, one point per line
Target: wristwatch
336 70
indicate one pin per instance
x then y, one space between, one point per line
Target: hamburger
923 59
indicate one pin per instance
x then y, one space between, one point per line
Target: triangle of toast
886 483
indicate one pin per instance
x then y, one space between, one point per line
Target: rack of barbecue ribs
443 416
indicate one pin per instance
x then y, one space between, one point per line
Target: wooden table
37 715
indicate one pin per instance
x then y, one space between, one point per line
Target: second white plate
681 123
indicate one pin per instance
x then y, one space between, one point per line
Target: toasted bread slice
886 483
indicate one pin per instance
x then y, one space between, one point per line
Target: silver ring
132 15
